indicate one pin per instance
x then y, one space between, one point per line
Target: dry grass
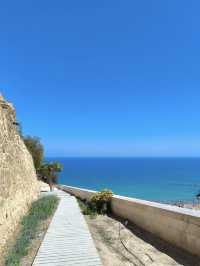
31 232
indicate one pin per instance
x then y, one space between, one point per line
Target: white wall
178 226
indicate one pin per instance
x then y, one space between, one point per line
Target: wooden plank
68 240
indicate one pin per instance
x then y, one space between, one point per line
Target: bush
101 201
86 208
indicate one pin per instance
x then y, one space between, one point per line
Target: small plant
86 208
101 201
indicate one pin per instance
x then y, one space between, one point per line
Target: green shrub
86 208
101 201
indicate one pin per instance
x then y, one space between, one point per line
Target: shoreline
189 204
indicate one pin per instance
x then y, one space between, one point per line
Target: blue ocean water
160 179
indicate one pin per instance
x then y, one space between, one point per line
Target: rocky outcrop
18 181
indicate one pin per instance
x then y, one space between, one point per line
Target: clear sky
104 78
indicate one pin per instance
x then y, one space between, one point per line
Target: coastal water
160 179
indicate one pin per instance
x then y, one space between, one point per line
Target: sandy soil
191 206
138 248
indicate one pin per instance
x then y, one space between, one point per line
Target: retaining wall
178 226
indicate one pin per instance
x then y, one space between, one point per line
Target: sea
158 179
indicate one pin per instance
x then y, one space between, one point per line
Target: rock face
18 181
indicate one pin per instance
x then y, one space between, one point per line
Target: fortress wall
18 181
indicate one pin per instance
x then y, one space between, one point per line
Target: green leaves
102 201
36 149
48 171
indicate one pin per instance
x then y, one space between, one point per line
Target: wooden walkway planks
68 241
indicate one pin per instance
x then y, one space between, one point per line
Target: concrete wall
178 226
18 182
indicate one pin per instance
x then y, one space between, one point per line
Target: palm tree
48 173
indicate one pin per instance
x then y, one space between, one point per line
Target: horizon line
134 157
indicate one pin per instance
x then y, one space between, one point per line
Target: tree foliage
36 149
46 171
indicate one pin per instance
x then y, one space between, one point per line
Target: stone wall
178 226
18 182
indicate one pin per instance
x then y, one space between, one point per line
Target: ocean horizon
163 179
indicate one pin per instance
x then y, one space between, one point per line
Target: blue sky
104 78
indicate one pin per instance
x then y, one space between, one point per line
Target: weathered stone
18 181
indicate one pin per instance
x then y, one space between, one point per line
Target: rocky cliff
18 182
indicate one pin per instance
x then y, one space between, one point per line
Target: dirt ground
133 246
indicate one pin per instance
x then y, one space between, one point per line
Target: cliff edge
18 181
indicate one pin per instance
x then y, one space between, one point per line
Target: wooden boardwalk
68 241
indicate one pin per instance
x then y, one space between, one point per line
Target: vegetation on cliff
46 171
36 149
